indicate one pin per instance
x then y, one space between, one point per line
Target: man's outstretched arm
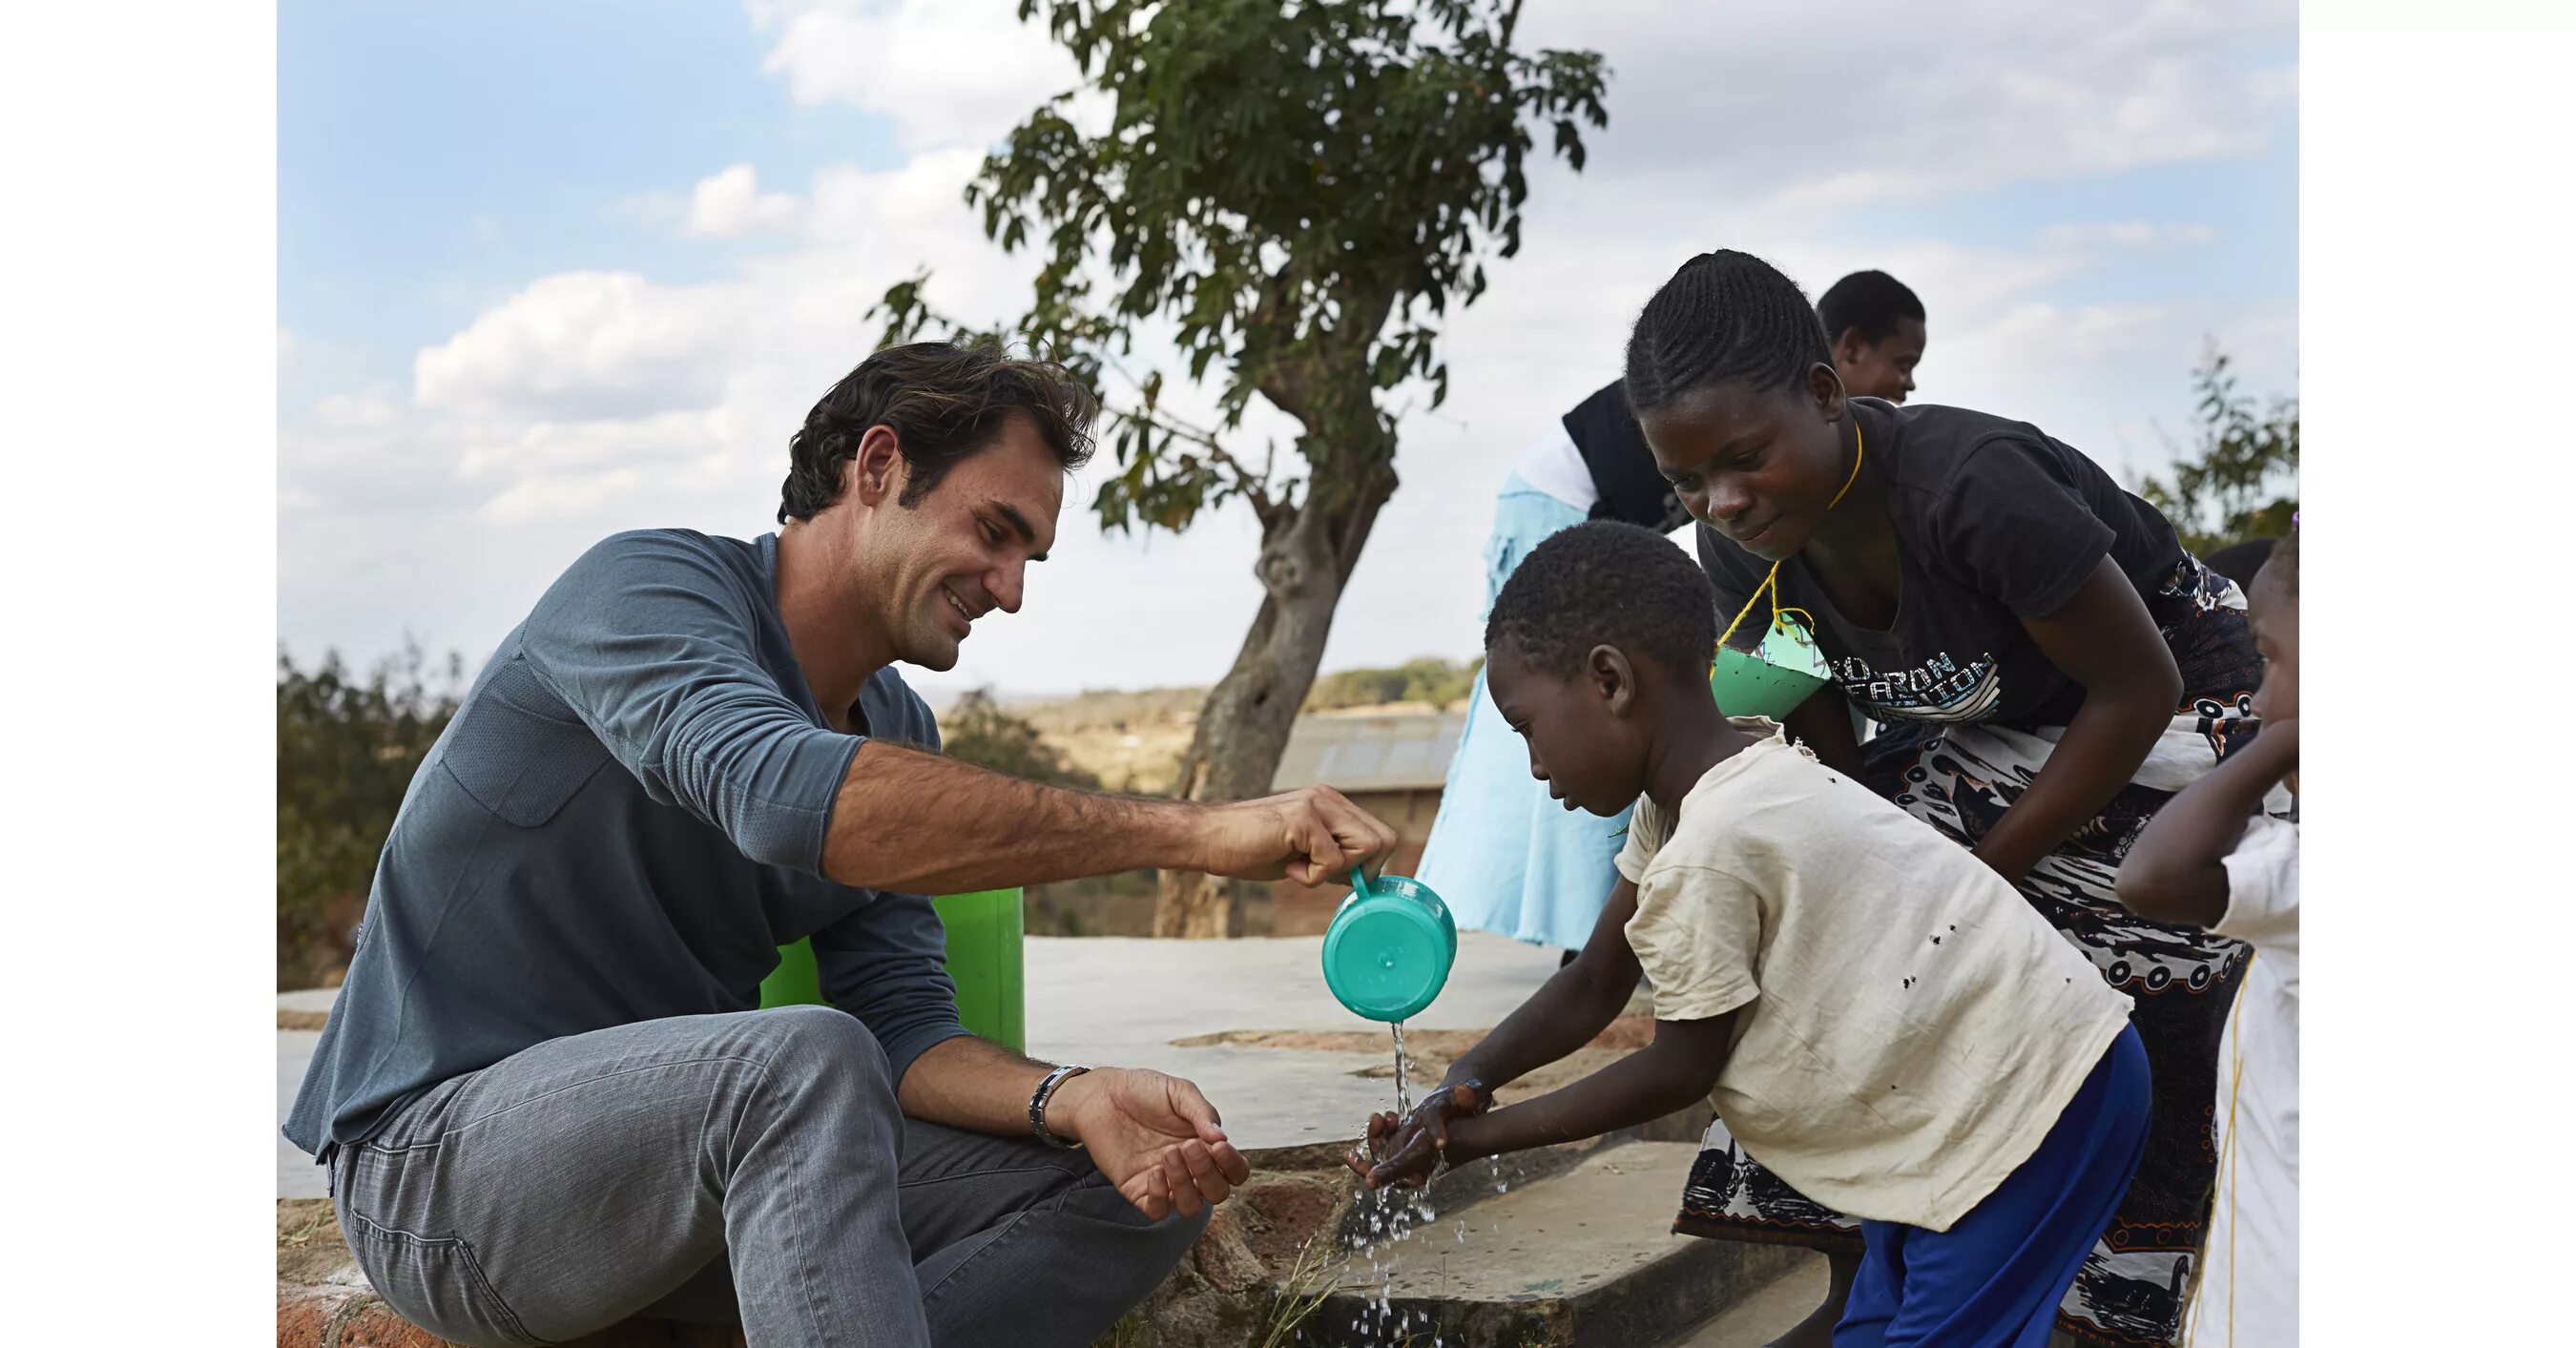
916 822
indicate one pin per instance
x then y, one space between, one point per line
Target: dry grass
1132 742
1300 1295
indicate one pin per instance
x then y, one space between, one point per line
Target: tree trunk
1307 553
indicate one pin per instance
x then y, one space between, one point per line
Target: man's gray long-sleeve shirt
624 822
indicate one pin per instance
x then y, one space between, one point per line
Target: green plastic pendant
1787 670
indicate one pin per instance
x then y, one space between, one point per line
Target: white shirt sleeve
1647 829
1698 935
2263 885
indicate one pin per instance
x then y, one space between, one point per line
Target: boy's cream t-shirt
1908 1028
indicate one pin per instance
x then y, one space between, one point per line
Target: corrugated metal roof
1371 751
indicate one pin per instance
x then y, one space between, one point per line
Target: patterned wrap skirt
2133 1287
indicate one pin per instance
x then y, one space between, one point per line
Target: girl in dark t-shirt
2048 666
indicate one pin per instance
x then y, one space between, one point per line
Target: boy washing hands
1877 1016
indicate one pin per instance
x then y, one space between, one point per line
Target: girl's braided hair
1724 315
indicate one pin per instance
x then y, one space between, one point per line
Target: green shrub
346 751
976 730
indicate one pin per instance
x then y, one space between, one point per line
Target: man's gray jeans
751 1165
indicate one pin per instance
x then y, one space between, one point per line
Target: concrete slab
1556 1238
1766 1313
1121 1001
311 999
1582 1258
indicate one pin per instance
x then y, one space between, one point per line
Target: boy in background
2213 858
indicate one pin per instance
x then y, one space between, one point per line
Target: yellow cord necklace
1771 582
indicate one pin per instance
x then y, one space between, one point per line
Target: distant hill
1133 741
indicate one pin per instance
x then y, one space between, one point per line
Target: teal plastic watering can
1388 951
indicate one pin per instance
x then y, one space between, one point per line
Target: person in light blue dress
1505 857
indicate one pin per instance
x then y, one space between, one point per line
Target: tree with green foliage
346 752
2240 479
1292 193
977 730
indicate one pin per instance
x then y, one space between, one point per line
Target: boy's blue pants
1994 1279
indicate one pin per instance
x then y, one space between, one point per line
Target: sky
547 272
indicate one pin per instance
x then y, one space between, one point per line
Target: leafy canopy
1297 190
2240 479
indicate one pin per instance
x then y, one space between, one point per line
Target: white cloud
571 497
512 450
612 345
731 203
582 343
2131 234
365 410
2037 334
923 199
948 72
1891 100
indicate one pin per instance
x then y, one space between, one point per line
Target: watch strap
1038 1103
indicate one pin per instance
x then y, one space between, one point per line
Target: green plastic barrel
984 960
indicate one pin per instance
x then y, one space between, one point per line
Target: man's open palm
1156 1138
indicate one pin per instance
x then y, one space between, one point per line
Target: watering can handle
1359 882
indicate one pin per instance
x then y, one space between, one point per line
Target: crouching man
547 1098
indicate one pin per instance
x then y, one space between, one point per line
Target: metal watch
1038 1104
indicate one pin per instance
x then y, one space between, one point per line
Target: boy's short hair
2283 565
1606 583
1871 301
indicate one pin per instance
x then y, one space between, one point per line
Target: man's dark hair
1606 583
2240 562
1871 301
1724 315
945 401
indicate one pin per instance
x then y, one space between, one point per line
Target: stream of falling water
1396 1213
1403 1088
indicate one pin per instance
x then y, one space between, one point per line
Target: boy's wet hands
1408 1151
